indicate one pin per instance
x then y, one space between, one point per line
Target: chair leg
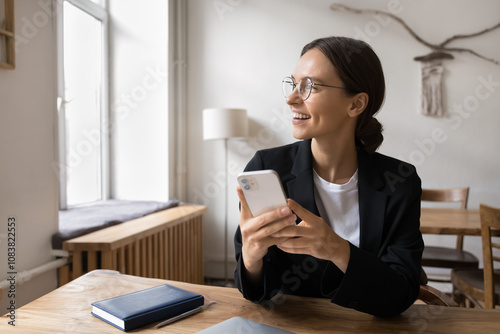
472 302
458 297
464 300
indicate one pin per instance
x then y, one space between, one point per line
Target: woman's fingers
267 224
245 210
310 226
256 233
265 218
304 214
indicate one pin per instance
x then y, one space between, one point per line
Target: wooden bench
166 244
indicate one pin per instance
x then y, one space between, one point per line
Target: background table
67 310
451 221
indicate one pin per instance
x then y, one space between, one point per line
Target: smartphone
263 190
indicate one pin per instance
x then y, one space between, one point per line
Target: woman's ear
359 103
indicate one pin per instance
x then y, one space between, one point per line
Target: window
83 110
115 130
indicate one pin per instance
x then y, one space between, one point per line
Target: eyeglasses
305 85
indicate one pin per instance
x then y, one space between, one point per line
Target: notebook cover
143 307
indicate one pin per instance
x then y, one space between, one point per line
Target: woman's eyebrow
313 79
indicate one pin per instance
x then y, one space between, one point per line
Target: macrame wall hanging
432 72
432 63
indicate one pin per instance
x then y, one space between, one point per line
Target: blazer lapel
372 203
301 188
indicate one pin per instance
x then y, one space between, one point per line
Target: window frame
101 14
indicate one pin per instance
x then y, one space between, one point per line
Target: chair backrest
490 219
447 195
432 296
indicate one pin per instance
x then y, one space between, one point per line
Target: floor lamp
222 123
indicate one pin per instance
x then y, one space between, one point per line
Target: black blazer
383 274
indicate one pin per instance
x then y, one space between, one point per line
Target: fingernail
285 211
292 219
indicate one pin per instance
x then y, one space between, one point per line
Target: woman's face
325 113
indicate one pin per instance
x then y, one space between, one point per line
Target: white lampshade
222 123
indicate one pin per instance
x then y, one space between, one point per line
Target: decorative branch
339 7
470 35
436 47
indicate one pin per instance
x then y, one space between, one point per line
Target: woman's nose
293 98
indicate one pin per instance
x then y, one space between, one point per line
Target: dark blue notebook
143 307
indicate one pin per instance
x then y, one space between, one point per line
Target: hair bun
369 133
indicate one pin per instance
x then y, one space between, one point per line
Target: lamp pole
226 280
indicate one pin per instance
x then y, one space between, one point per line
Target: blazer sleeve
270 284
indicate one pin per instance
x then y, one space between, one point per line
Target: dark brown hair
360 70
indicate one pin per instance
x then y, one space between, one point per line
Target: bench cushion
82 220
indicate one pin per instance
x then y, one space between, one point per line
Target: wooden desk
67 309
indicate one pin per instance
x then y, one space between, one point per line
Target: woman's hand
314 237
257 233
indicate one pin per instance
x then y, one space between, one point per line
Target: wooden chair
432 296
474 285
445 257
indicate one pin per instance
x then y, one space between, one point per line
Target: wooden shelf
8 32
7 66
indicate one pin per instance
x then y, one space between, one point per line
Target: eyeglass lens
303 87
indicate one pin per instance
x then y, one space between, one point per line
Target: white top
338 205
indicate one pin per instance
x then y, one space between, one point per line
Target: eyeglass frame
295 85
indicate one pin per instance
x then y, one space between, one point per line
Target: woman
350 232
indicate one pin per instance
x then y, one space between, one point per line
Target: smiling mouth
300 116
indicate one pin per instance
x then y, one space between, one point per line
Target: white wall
139 99
239 51
28 184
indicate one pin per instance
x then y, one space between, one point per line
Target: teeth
300 116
